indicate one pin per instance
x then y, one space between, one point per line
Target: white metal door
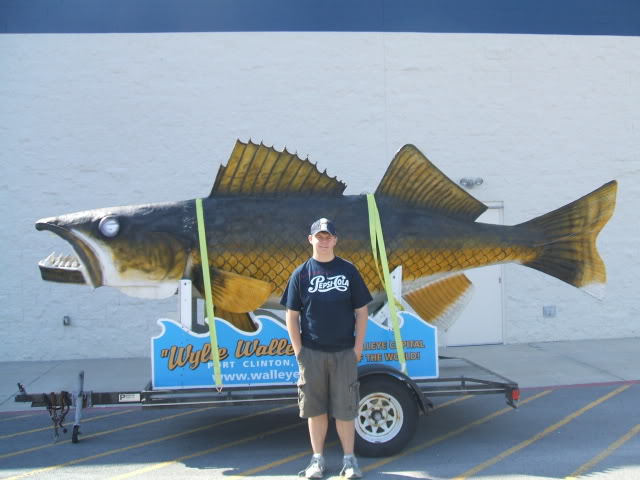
481 321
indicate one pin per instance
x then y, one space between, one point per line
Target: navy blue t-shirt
326 295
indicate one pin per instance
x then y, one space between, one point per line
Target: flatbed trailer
390 401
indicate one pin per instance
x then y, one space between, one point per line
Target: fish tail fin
569 250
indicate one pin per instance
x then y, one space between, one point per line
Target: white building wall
89 121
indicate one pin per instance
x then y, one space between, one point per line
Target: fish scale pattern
437 259
276 266
257 171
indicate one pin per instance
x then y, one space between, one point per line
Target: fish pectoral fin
441 302
238 293
262 171
413 180
241 321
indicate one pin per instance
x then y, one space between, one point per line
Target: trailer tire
387 417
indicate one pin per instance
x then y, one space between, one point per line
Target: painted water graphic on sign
182 359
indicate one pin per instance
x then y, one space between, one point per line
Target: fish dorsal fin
413 180
441 302
258 170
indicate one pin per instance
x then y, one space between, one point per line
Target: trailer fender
379 369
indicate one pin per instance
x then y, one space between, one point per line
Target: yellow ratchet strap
377 245
204 256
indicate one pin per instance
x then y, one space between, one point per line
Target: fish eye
109 226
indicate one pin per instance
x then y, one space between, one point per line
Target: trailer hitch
58 407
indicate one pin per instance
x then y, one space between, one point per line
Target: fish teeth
61 261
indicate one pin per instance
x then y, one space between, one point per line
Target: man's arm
293 327
362 318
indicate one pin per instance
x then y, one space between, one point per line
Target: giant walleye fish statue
258 215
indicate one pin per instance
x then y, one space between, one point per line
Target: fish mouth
82 268
62 269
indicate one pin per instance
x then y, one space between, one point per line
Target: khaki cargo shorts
328 383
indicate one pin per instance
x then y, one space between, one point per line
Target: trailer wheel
74 433
387 417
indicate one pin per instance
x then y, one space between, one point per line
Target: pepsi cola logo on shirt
322 284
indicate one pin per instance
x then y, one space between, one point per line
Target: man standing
326 301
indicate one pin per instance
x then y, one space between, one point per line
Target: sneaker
350 468
315 468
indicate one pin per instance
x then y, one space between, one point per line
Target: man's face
323 242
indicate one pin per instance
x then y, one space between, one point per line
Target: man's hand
358 351
293 327
362 318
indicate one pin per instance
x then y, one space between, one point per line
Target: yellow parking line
276 463
19 416
296 456
544 433
104 432
84 420
605 453
142 444
451 434
451 402
240 441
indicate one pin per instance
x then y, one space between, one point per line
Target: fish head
141 250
